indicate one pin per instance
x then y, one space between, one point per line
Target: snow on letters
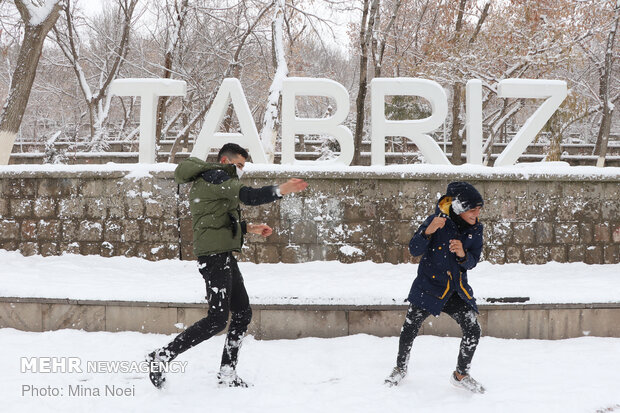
416 130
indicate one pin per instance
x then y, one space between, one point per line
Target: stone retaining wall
535 321
346 216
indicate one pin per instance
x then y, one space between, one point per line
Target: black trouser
461 312
226 294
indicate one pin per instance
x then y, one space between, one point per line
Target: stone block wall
89 213
346 216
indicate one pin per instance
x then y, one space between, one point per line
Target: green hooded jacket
215 207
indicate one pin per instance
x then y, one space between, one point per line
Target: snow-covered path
319 375
319 282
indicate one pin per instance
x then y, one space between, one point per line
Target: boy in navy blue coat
450 242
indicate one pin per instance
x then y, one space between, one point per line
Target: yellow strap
445 292
463 288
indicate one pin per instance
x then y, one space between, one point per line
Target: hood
443 206
190 169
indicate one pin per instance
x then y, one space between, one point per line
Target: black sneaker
158 361
395 377
227 377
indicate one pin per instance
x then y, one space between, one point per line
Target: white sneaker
395 377
227 377
467 383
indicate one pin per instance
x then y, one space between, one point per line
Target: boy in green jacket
218 232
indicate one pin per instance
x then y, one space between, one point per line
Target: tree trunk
365 37
605 80
379 46
457 91
554 153
181 13
269 132
455 137
23 78
161 102
603 136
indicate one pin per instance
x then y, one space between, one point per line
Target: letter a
210 138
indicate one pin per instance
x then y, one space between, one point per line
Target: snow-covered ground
315 375
320 282
310 374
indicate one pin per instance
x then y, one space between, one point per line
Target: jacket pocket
433 285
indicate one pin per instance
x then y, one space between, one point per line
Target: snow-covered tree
38 16
175 17
219 37
100 63
269 133
600 51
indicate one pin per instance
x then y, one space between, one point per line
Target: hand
260 229
435 224
293 185
456 247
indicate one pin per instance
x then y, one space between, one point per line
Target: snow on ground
319 282
316 375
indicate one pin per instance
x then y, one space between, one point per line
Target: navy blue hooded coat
440 274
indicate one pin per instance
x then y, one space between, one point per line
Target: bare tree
380 39
177 14
38 17
456 131
233 68
105 67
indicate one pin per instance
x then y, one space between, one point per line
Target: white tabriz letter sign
414 129
555 92
417 130
332 126
149 91
209 137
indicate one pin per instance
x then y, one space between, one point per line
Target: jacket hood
190 169
443 206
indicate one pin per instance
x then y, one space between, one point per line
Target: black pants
461 312
226 295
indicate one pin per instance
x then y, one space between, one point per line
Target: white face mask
239 171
